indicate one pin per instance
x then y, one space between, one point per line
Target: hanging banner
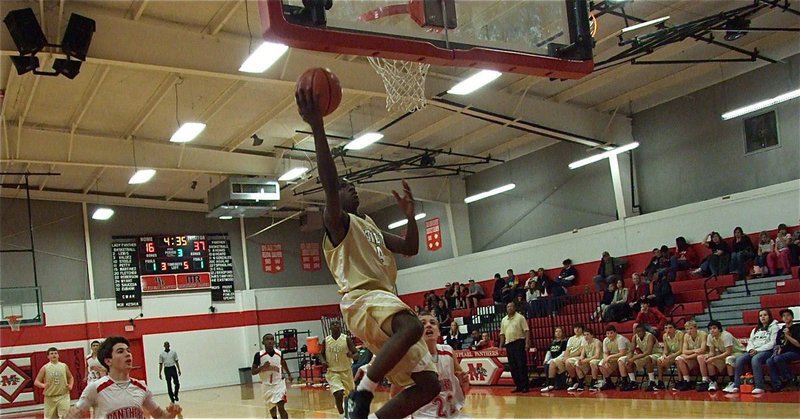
272 258
310 259
433 234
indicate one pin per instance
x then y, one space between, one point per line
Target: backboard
538 37
21 301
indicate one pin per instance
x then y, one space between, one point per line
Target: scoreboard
170 263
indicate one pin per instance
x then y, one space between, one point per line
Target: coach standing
172 369
515 338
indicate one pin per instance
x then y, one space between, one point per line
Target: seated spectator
605 301
450 293
461 296
723 349
608 271
638 292
673 345
499 285
653 266
695 343
510 288
541 279
442 313
643 355
794 249
471 341
661 296
618 310
520 305
615 346
684 259
475 294
486 342
717 263
568 274
758 350
431 301
787 350
649 317
452 337
555 359
591 351
743 251
536 306
778 260
765 245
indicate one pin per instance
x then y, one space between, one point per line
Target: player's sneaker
702 386
757 391
608 385
731 388
651 386
357 406
581 386
712 386
548 388
660 385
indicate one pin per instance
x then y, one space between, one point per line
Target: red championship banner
272 257
433 234
310 259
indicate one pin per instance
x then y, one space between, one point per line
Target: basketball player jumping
452 378
360 257
269 364
117 395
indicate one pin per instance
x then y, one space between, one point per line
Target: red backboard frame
275 28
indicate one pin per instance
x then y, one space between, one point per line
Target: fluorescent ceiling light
474 82
225 217
605 155
363 141
761 105
644 24
263 57
187 132
141 176
102 214
404 221
293 174
487 194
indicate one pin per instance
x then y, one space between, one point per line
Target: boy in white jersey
453 380
723 349
694 345
94 369
117 395
591 351
56 381
337 353
361 259
615 346
673 346
268 365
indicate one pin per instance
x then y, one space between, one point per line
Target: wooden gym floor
498 402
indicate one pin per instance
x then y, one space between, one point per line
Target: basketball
325 86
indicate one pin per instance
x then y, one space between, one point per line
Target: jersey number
445 408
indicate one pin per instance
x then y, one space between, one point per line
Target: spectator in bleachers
431 301
664 261
653 266
567 275
684 259
471 341
605 301
794 248
554 352
450 293
778 260
541 278
486 342
649 317
765 245
521 305
609 269
615 346
618 310
723 349
717 263
569 356
638 292
787 350
499 285
643 355
475 293
453 338
673 345
442 313
695 343
743 251
536 306
591 351
758 350
510 289
661 296
461 296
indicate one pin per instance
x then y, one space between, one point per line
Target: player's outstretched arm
333 216
408 245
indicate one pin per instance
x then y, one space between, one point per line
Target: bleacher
692 298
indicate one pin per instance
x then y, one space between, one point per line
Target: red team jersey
117 400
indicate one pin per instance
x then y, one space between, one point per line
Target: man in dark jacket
609 270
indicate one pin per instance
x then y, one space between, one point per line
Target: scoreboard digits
173 254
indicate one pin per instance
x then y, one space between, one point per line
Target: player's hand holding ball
318 93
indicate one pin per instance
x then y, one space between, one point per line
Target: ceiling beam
64 196
781 40
221 17
94 178
88 96
221 100
183 186
236 140
136 9
158 95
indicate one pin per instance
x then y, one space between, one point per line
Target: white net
404 82
13 321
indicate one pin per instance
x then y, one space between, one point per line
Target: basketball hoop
404 82
13 321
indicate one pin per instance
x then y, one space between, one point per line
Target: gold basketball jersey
361 261
336 353
55 379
